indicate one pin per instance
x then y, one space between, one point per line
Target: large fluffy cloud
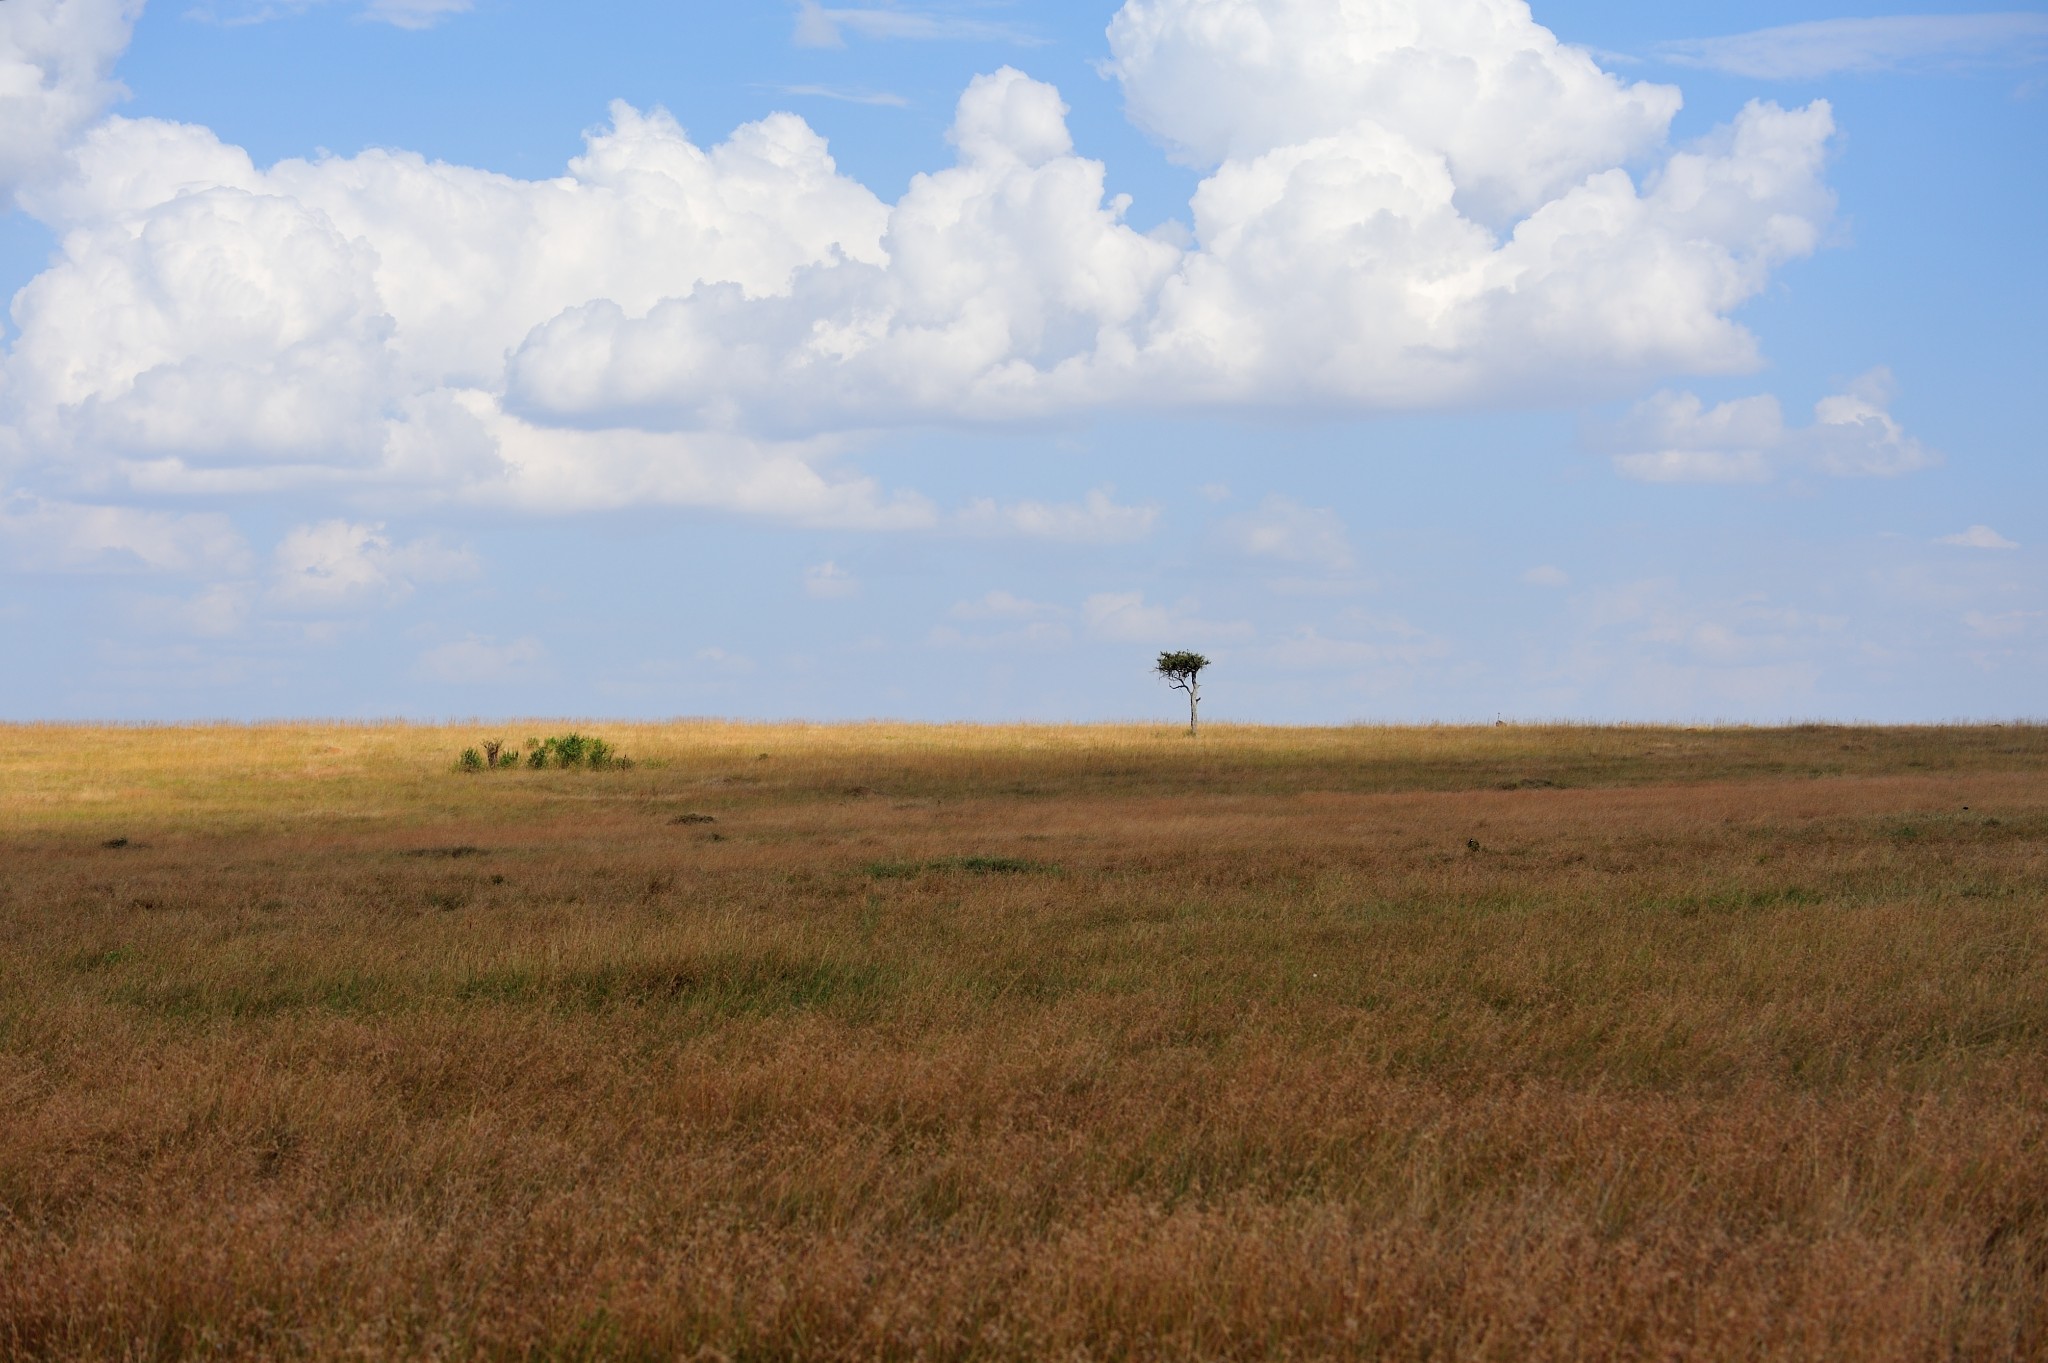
216 327
1516 118
1337 272
1007 287
1409 205
56 75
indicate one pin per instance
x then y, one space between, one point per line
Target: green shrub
561 750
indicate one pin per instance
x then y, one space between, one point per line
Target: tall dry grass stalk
1088 1043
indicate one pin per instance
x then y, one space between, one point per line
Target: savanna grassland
881 1042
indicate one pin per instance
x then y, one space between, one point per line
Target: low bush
561 751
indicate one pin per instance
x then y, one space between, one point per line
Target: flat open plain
1045 1043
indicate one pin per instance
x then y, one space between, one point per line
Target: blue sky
1447 359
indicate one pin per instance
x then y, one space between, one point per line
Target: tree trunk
1194 699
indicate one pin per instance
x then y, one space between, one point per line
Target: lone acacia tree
1183 671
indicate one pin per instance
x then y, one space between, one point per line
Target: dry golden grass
1088 1043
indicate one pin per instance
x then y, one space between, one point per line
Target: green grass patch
722 985
252 999
978 866
92 962
1733 901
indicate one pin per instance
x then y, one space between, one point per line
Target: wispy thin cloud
1896 43
479 661
829 582
880 98
818 26
1284 529
1676 438
414 14
1097 519
1978 537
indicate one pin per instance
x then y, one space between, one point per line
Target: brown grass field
1026 1043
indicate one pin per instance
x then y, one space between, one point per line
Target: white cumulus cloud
56 75
1408 204
1516 118
1337 272
215 328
